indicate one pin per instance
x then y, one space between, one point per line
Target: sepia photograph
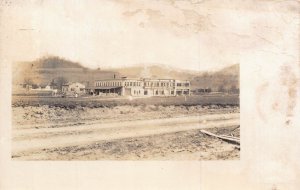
132 84
64 111
150 94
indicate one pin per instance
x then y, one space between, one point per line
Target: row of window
109 83
158 92
132 83
147 84
156 84
136 92
183 84
162 92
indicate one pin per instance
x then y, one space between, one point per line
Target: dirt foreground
147 132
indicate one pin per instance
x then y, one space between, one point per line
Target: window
130 83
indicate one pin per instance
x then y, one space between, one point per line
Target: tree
60 81
234 89
221 88
28 81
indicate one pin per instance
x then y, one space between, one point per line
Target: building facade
75 88
142 87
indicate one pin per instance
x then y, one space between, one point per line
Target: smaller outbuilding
74 88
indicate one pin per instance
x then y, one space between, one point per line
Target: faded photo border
269 119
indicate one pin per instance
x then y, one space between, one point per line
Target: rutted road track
27 142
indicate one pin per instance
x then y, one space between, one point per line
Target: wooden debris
223 137
229 137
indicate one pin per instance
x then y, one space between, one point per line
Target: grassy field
95 102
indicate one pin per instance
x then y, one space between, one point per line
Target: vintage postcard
205 88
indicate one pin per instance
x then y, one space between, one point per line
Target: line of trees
233 89
55 83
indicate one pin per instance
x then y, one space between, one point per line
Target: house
74 88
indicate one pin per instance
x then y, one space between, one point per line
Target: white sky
207 35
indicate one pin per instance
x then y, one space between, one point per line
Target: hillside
155 71
226 78
44 70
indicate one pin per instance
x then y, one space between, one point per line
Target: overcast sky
195 35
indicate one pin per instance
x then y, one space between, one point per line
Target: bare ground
147 132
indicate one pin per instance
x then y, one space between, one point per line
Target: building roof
69 83
124 79
107 87
118 79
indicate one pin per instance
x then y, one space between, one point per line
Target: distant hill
44 70
155 71
225 78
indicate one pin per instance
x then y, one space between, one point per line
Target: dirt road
161 139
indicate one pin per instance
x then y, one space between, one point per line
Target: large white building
142 87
